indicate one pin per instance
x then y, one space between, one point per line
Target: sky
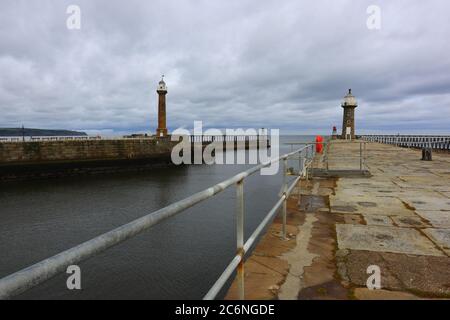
282 64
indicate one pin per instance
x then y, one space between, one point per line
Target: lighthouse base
161 132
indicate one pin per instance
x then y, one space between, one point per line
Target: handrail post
308 159
364 156
360 156
240 236
300 163
285 188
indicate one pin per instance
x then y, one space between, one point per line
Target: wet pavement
397 219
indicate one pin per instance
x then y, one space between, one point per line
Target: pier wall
96 150
48 159
43 159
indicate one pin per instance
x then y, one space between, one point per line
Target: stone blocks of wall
75 151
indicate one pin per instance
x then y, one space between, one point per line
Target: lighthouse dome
349 100
162 85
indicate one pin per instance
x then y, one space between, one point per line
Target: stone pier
43 159
397 218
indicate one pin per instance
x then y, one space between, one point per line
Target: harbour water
178 259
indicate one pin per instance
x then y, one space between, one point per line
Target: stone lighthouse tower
162 91
348 125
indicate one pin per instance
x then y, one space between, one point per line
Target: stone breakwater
42 159
20 160
54 151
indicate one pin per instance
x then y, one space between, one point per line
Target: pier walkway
397 218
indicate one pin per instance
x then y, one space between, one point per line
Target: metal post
360 156
285 187
364 155
240 236
300 164
307 159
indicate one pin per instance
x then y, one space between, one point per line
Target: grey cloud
236 63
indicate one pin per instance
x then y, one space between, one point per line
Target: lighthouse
162 91
348 124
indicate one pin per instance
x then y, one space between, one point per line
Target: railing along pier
412 141
40 272
192 138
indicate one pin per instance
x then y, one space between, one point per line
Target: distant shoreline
19 132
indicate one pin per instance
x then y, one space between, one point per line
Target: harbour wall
43 159
14 153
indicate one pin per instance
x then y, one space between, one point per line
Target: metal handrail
361 154
40 272
438 142
239 258
192 137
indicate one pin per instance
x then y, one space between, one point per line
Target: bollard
427 154
319 145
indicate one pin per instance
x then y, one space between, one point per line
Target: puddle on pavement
367 204
343 208
312 203
384 237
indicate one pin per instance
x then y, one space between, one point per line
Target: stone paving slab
353 219
427 179
428 203
443 188
384 239
428 276
366 294
438 219
441 237
369 205
378 220
407 214
368 183
410 222
424 187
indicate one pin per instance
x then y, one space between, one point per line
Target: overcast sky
276 64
